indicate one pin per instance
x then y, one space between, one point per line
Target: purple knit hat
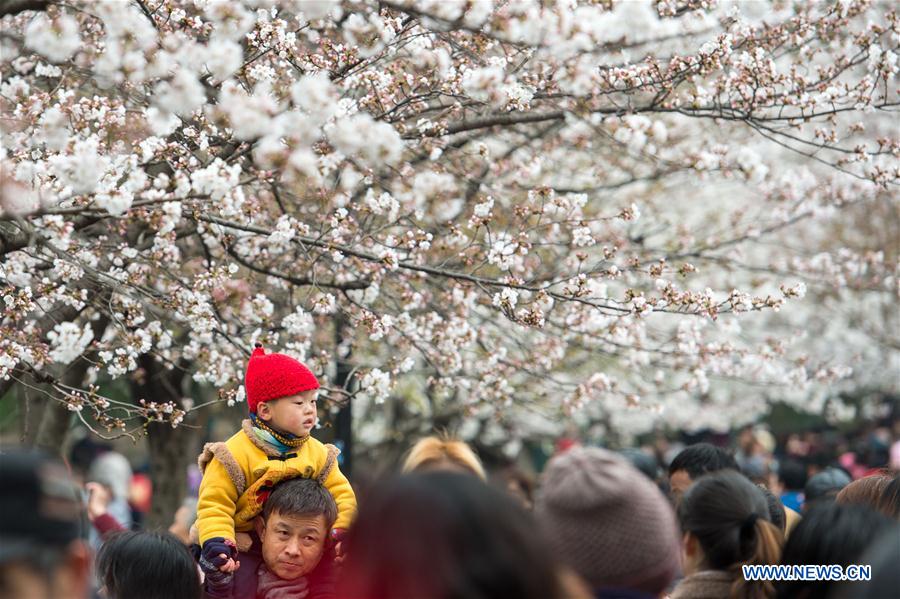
608 521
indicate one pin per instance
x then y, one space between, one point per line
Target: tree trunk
56 419
54 426
171 449
343 425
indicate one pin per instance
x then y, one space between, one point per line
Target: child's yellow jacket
239 474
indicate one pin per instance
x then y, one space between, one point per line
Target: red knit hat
273 376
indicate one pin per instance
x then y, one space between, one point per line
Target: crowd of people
595 527
275 518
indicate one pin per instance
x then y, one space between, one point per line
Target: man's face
292 545
296 414
679 481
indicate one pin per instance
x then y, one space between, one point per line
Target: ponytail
764 541
730 518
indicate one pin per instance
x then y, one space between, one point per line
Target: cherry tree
502 217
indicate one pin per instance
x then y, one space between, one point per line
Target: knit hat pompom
273 376
608 521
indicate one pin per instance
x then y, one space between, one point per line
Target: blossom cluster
509 216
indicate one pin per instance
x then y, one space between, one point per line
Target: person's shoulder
314 443
246 577
240 441
323 579
319 451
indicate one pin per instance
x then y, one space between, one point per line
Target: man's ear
260 526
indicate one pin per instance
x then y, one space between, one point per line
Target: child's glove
218 585
216 552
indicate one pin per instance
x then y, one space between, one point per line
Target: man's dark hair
702 458
792 475
301 497
829 533
147 565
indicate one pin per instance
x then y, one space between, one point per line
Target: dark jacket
242 584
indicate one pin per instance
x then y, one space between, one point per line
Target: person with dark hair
883 556
146 565
290 555
693 462
889 502
643 461
829 533
777 515
609 523
865 491
725 520
274 444
43 551
823 486
792 478
444 535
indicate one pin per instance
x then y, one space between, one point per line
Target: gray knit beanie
608 522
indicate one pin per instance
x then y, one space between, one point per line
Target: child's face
295 414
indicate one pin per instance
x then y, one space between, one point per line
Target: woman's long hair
729 517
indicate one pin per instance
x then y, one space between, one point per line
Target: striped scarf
282 441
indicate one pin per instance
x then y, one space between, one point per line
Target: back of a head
825 485
729 517
792 475
608 521
829 533
147 565
642 461
882 556
777 515
301 497
445 536
864 491
889 502
702 458
443 453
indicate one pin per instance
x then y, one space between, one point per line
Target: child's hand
339 535
218 555
230 566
